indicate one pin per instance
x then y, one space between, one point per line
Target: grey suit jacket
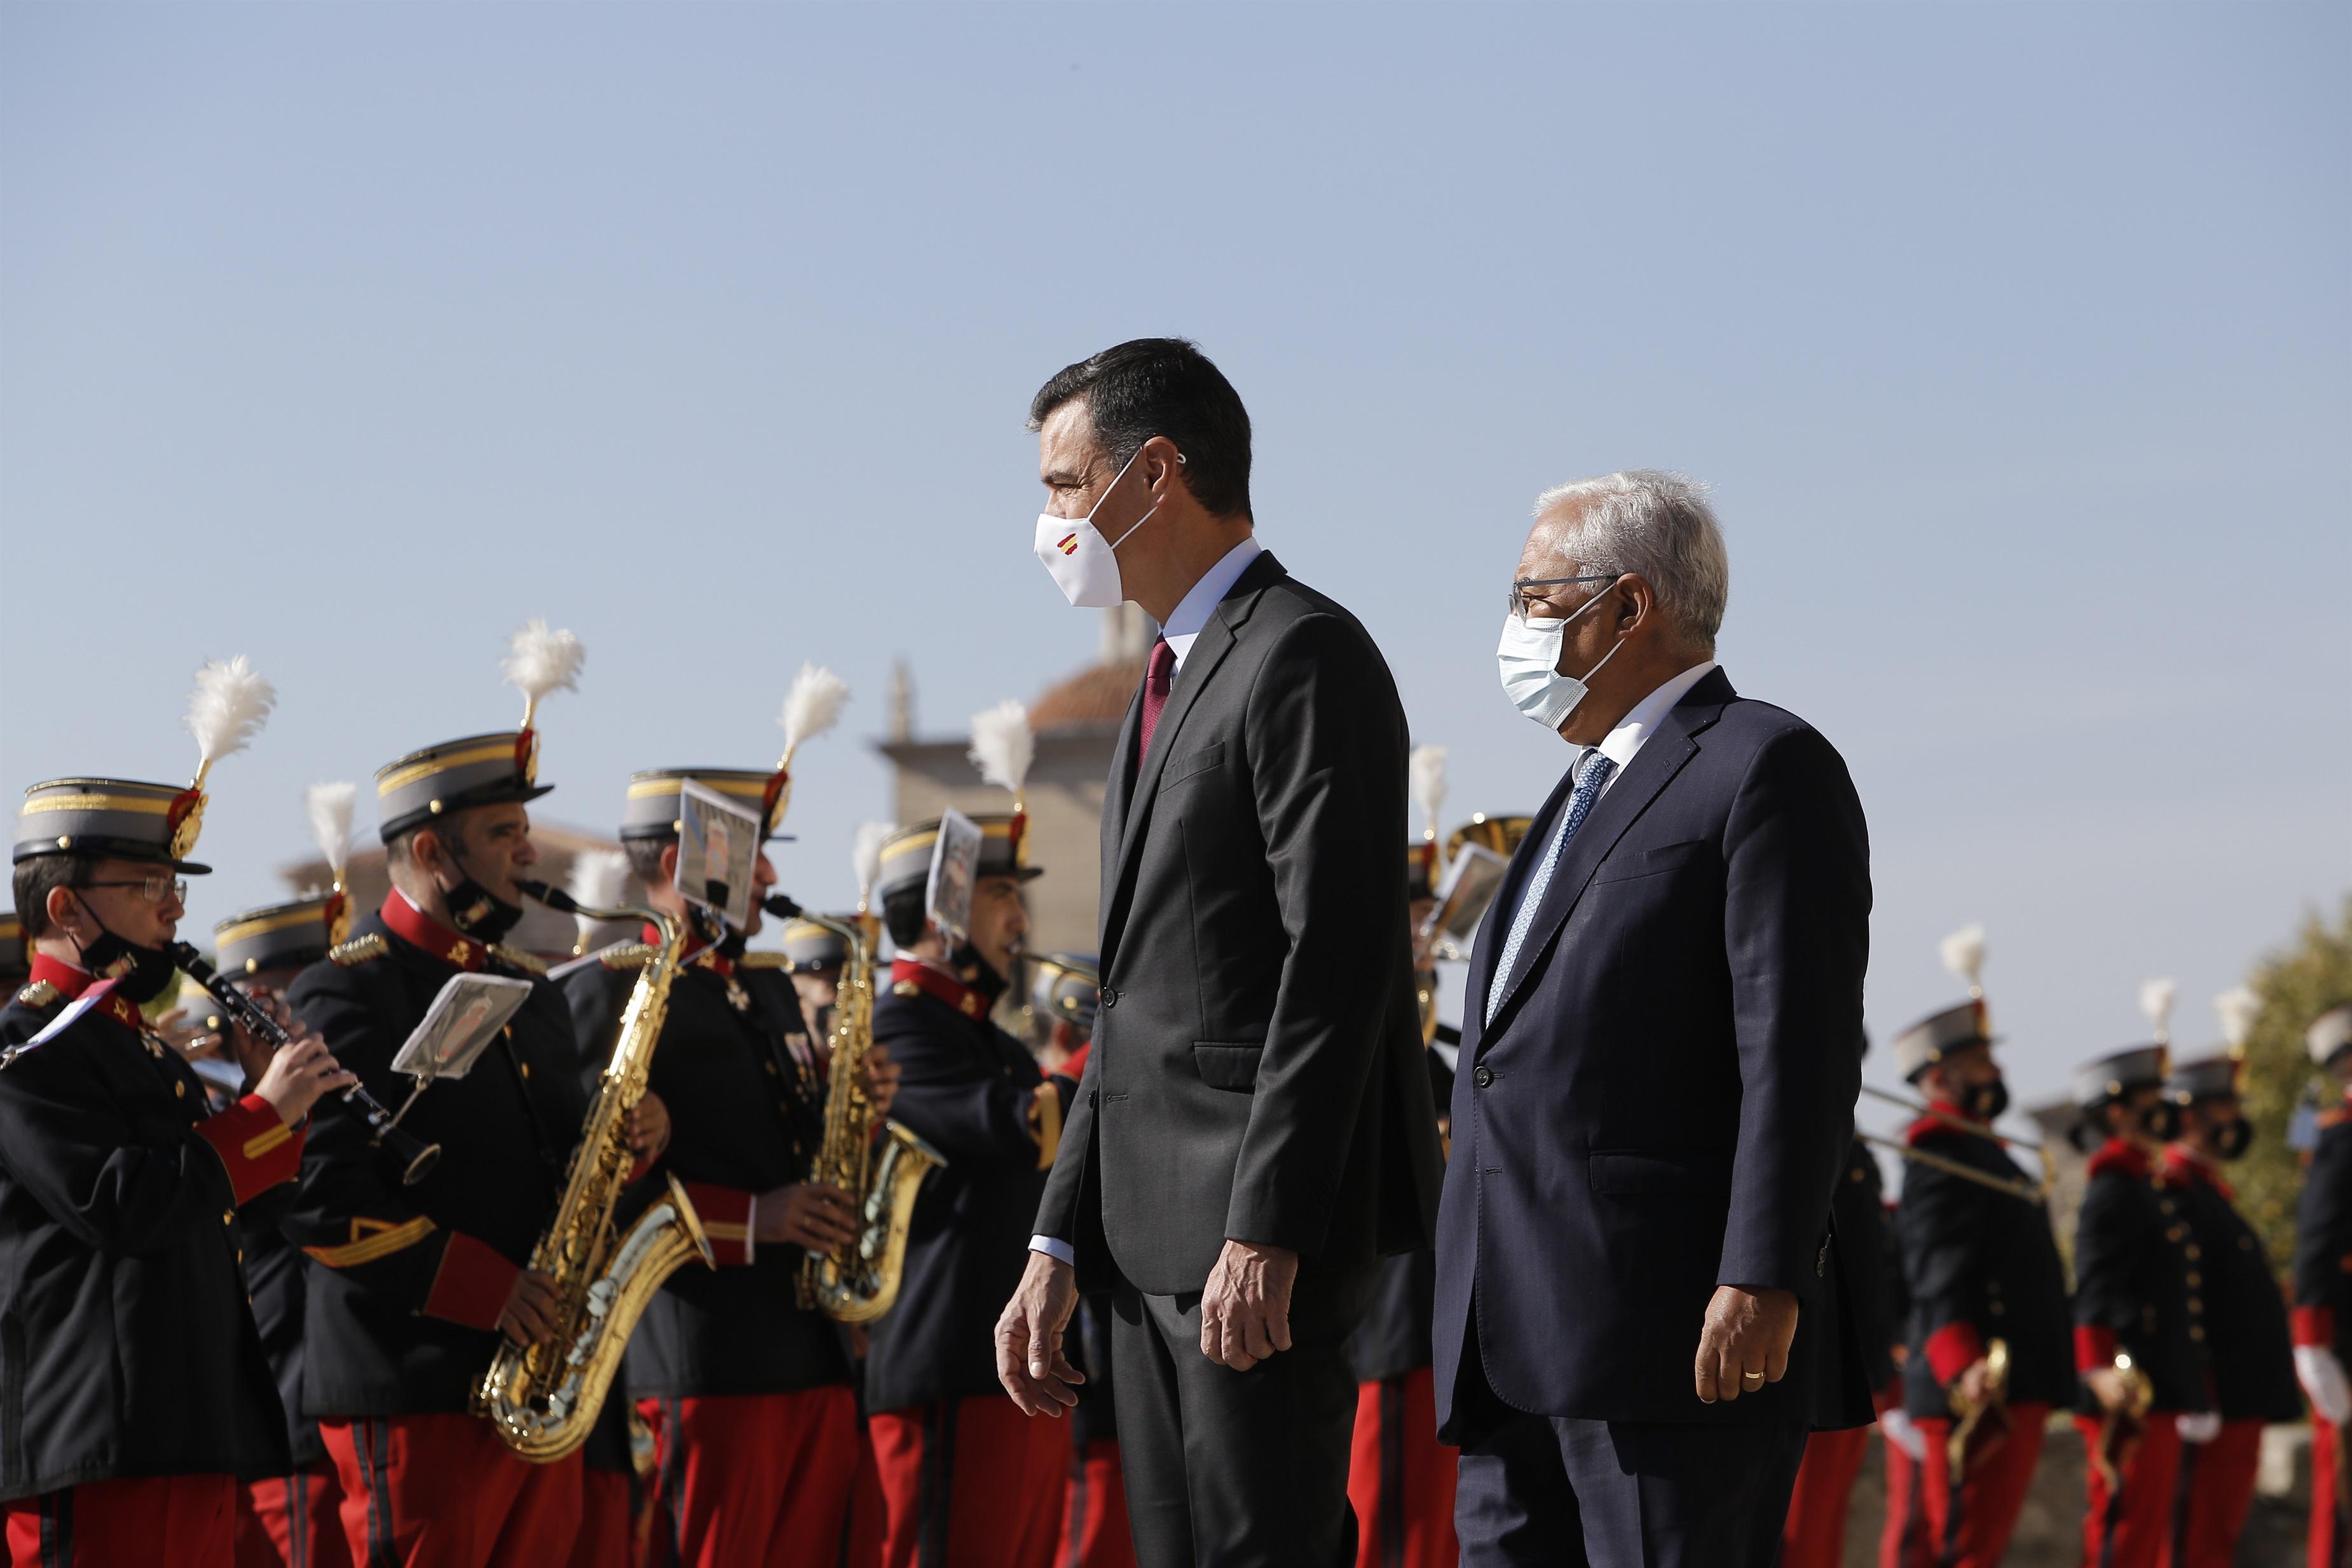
1256 1071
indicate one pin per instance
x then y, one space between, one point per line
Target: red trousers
292 1521
1975 1533
2215 1494
608 1525
2132 1531
1905 1542
188 1522
440 1490
2331 1541
1399 1477
1095 1532
1815 1534
971 1483
763 1480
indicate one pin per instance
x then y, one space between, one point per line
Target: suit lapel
1495 924
1208 651
1662 756
1117 797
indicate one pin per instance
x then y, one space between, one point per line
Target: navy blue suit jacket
1663 1102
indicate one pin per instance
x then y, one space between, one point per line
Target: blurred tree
2295 986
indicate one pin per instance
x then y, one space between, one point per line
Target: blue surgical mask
1528 660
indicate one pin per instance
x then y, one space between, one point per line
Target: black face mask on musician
138 973
476 910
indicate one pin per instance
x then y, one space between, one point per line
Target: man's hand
1745 1343
881 1079
1029 1358
1973 1381
1246 1307
648 1128
2108 1386
1903 1432
810 1213
529 1316
296 1076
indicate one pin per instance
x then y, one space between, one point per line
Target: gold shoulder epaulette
906 988
39 994
358 950
765 960
516 959
626 955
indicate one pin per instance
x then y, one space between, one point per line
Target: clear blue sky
2014 339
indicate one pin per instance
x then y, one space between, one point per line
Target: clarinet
416 1155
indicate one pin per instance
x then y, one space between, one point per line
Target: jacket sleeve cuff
2315 1325
2095 1346
1953 1349
472 1284
726 1215
256 1146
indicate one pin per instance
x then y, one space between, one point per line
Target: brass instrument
1975 1129
543 1400
856 1281
1988 1414
2023 1191
2119 1430
1500 834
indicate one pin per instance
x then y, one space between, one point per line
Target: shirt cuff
1054 1247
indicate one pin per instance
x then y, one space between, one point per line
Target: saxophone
543 1400
856 1281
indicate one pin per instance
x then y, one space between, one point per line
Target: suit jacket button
1110 997
1483 1077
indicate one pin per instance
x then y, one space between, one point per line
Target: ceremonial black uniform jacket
2323 1238
401 1318
126 1348
1858 1209
2131 1280
746 1105
275 1285
1393 1338
2245 1310
1978 1265
975 1094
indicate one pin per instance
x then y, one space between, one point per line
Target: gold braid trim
358 950
516 959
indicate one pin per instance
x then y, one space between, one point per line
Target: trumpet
1988 1414
1975 1129
2023 1191
416 1155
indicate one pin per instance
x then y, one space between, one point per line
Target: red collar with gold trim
698 954
418 929
2120 1155
1926 1127
73 984
938 983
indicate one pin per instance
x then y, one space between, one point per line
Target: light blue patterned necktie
1588 790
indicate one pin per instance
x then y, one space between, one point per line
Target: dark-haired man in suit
1639 1304
1254 1128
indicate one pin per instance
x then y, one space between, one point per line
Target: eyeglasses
153 888
1518 599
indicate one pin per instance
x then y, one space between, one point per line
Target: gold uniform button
772 1071
2191 1252
2195 1279
1995 1308
526 1072
2197 1332
179 1090
228 1217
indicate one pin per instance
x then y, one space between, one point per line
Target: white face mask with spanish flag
1085 565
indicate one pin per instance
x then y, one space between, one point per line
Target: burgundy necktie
1155 676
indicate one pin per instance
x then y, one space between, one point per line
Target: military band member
293 1518
1981 1265
2323 1294
1065 995
747 1393
2140 1332
969 1481
812 958
134 1393
416 1284
1400 1477
2252 1357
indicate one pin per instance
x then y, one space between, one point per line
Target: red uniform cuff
472 1284
1075 1067
2095 1346
254 1145
2315 1325
726 1214
1953 1349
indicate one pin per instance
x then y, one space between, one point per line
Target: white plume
600 877
540 660
2239 1007
2155 1001
813 705
329 806
865 856
229 708
1426 773
1001 745
1964 953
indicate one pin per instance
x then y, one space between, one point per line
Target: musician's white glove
1904 1433
2202 1427
2322 1376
